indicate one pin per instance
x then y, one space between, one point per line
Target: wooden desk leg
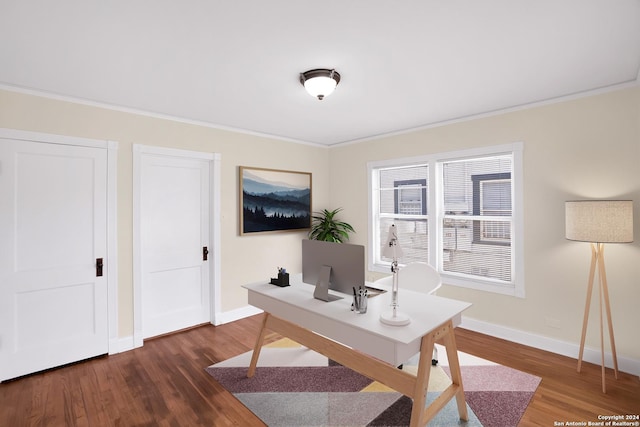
456 375
258 347
418 416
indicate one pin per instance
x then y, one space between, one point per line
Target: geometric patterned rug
295 386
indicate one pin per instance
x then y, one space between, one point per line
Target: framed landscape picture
274 200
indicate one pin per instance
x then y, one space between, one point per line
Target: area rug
295 386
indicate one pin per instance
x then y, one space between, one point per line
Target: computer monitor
346 262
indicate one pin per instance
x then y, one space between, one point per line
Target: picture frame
273 200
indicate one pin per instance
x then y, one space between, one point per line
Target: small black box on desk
282 280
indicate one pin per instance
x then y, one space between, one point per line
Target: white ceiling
235 64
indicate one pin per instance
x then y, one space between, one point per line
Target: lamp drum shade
599 221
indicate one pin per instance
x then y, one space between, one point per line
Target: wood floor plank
164 383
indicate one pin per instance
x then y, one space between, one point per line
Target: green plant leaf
326 227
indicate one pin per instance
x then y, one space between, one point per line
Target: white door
53 228
174 240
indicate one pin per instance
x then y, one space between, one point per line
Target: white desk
363 343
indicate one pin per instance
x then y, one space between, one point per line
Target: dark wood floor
164 383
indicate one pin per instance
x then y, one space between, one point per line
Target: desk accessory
283 278
360 299
393 250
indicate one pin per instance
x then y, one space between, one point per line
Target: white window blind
403 201
477 217
461 212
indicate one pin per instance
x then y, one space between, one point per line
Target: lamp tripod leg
597 263
600 298
607 306
585 321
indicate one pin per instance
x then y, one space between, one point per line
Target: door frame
112 213
214 217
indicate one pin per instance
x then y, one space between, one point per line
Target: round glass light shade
320 82
319 87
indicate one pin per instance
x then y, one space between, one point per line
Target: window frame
478 181
421 184
435 216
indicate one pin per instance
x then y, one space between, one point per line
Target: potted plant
326 227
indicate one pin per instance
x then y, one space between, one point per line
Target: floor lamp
599 222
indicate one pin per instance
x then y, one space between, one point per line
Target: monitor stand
322 286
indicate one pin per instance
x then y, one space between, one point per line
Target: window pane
458 179
462 255
495 231
411 197
478 187
403 190
387 201
389 176
495 197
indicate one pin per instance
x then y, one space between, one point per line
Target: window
460 212
492 197
411 196
403 201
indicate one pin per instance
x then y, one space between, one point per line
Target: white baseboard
237 314
552 345
118 345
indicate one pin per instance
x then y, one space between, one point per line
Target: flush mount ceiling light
320 82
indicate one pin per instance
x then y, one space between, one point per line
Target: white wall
244 258
583 148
